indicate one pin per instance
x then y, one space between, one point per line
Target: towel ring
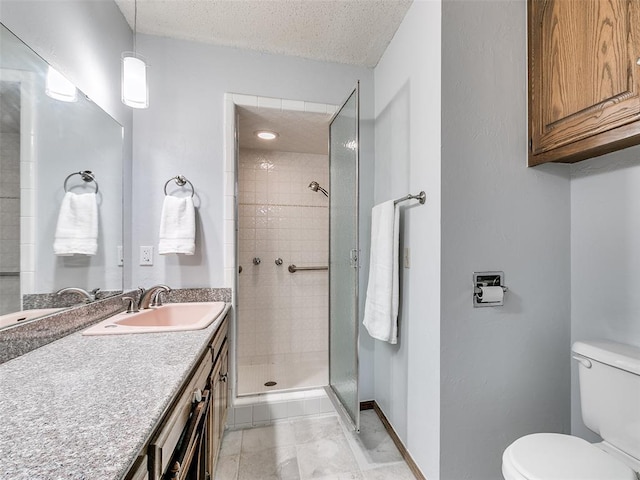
86 175
181 181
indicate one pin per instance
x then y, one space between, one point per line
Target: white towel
177 226
77 229
381 306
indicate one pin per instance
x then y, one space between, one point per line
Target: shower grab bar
294 269
421 197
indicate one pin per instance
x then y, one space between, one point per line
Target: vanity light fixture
58 87
266 134
135 90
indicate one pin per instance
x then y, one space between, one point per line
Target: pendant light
135 91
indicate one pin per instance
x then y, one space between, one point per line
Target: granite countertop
83 407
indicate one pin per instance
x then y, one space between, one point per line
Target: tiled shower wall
9 222
282 316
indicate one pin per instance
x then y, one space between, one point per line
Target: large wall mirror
51 135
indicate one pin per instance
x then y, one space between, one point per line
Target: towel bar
87 176
421 197
181 181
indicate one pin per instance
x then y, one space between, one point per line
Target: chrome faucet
88 296
151 297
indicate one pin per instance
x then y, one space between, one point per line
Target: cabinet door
213 443
583 78
223 399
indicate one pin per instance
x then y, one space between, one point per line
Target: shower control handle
278 261
256 260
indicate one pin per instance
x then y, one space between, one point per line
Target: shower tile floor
288 376
305 448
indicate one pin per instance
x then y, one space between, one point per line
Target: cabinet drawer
220 337
164 443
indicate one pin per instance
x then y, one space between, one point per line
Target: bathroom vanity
114 406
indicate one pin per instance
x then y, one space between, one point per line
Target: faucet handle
132 306
157 298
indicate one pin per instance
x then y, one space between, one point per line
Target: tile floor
319 448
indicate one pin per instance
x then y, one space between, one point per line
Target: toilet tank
609 375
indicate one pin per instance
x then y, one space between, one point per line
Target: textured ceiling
301 132
354 32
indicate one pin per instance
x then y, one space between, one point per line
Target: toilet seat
553 456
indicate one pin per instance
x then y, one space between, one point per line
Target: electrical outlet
406 258
146 255
120 256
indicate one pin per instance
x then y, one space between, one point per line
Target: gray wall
605 235
505 370
182 133
84 41
407 99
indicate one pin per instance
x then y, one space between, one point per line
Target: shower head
315 186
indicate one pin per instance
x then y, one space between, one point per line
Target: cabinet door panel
214 430
583 76
223 400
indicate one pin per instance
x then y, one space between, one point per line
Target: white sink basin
25 315
173 317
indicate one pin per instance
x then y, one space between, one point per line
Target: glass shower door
343 258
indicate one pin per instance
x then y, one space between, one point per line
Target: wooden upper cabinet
584 97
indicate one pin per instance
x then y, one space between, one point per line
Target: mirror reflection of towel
77 229
177 226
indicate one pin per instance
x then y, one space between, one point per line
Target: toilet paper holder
482 280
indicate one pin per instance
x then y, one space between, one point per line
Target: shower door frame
331 393
231 210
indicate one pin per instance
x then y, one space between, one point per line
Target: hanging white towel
77 229
381 306
177 226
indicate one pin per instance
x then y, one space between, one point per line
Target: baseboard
368 405
372 405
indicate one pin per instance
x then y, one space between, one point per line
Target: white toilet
609 375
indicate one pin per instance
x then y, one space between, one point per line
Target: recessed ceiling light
266 135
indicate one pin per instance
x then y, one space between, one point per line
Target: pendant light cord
135 24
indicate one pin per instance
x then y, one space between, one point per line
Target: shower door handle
355 258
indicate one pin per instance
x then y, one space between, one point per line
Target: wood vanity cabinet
219 400
209 376
584 97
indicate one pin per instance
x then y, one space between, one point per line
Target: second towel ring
87 176
181 181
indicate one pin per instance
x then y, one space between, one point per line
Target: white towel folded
177 226
381 306
77 229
